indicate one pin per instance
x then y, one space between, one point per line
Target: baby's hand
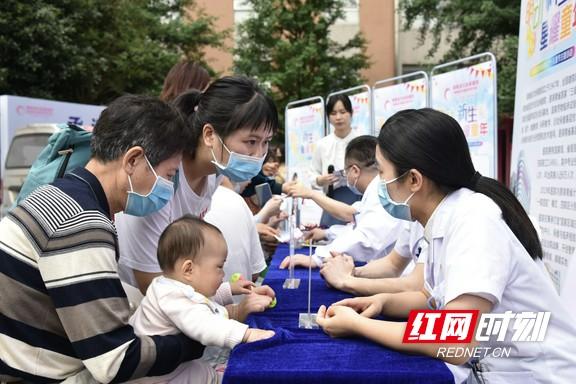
255 334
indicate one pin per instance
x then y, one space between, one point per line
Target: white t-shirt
138 236
230 213
330 150
373 234
473 251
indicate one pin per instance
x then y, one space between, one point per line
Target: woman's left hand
337 321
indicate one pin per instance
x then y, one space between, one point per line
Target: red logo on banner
443 326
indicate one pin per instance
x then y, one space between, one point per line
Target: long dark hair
433 143
229 104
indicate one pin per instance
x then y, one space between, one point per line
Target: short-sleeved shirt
138 236
230 213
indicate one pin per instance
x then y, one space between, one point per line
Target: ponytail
187 104
434 143
228 104
513 213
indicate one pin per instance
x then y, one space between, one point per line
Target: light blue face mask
398 210
240 167
142 205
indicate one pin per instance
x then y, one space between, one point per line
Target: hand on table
337 321
337 269
369 306
299 261
255 334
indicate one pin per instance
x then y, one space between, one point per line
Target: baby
191 254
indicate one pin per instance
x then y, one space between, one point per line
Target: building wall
389 47
377 25
220 59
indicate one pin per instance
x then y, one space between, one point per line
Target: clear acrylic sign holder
291 282
308 320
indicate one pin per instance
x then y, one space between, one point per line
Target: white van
26 145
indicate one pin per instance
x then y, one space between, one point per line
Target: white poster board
17 112
397 94
361 99
469 95
303 129
543 164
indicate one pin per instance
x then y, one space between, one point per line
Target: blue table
296 355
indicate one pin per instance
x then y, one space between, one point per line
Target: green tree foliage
473 26
92 51
287 45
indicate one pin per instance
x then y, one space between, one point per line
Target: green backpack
67 149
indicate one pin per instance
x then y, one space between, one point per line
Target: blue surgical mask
142 205
240 167
398 210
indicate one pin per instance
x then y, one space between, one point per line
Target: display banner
543 163
398 93
304 127
468 94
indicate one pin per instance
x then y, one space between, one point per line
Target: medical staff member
329 154
231 124
372 232
483 254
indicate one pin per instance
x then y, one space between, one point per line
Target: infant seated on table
191 254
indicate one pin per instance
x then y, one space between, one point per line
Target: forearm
339 210
400 304
365 287
380 268
391 265
390 334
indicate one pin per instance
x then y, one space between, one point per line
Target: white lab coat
472 251
373 234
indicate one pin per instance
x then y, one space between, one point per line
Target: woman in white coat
483 254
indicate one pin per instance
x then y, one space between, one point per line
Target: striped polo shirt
62 306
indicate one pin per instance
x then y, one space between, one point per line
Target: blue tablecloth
296 355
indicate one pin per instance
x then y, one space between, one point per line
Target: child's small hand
254 334
252 303
264 290
241 287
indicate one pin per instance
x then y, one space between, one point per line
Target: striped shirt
62 306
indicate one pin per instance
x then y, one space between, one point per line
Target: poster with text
543 164
467 94
304 128
397 97
362 113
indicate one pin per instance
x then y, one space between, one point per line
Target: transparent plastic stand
291 282
308 320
